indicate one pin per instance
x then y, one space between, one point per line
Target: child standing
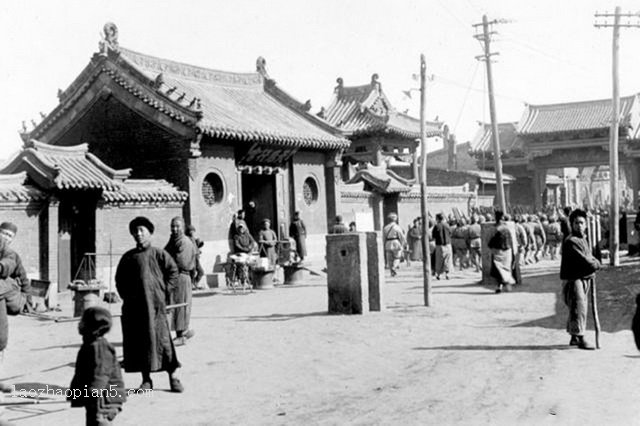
98 379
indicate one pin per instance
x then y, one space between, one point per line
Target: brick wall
112 227
310 165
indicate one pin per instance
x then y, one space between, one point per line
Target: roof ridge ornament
375 84
109 39
340 87
261 67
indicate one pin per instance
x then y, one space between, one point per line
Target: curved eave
275 139
564 133
140 89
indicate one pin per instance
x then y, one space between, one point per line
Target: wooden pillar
635 183
332 185
282 205
539 184
378 211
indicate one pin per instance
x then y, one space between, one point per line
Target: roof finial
60 92
157 83
374 81
24 126
261 67
321 113
109 38
340 86
307 106
33 123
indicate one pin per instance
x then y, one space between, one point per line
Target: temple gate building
229 140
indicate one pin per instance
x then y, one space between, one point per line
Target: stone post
347 277
375 270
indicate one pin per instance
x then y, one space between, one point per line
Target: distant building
380 167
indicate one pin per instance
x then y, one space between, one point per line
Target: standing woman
298 232
415 239
442 237
268 240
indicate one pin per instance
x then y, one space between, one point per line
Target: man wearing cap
184 253
8 232
394 242
145 278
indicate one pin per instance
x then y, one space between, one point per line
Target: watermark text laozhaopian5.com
69 393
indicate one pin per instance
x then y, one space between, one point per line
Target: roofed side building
230 140
551 137
66 202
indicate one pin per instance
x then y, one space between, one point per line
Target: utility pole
485 39
614 216
426 259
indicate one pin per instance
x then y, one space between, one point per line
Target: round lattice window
212 189
310 191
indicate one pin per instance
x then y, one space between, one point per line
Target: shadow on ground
281 317
616 291
495 348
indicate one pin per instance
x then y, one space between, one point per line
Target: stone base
263 280
216 280
293 274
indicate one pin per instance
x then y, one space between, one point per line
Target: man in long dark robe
298 232
442 237
145 278
184 253
577 268
8 232
502 255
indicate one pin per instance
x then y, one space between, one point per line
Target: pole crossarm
485 40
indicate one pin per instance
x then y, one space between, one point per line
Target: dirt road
276 357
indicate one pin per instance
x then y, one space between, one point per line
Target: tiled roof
72 167
576 116
508 138
365 109
439 159
13 188
382 179
486 176
145 190
233 105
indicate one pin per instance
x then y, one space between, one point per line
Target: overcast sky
550 51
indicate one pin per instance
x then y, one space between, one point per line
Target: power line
614 240
466 96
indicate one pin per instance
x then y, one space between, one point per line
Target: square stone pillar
539 185
375 270
347 277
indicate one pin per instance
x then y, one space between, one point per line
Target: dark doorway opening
390 205
77 236
259 201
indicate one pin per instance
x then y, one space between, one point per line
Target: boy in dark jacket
577 268
97 384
